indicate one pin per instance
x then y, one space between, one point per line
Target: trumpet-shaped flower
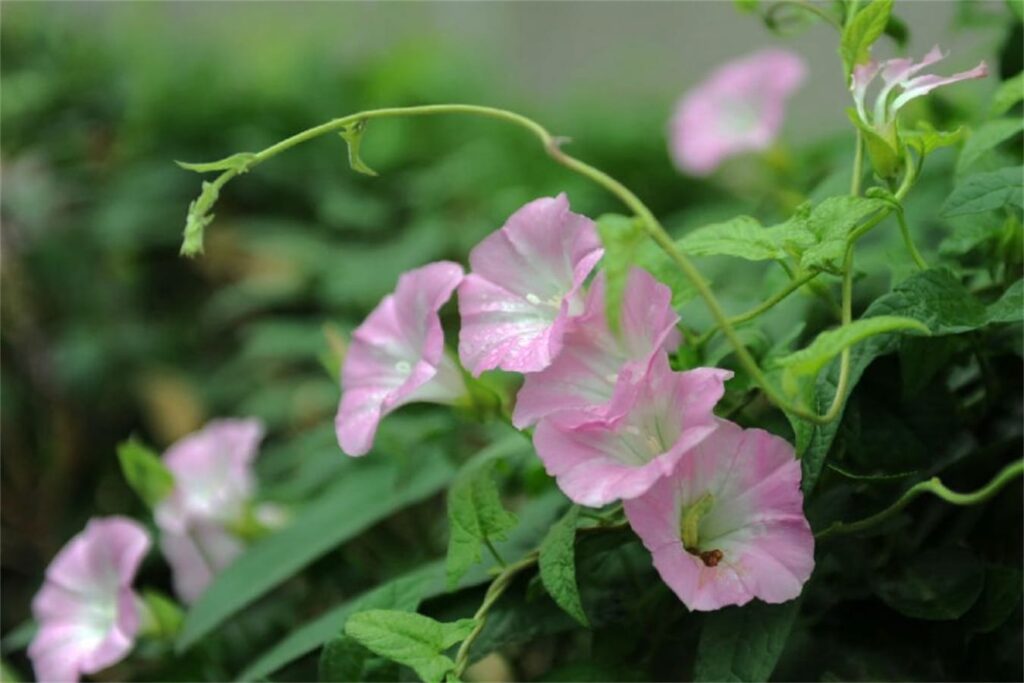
87 612
525 284
728 525
656 421
739 108
593 359
902 75
213 485
397 356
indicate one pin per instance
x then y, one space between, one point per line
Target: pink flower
86 609
900 73
738 108
213 486
397 356
728 525
197 556
525 285
593 360
656 420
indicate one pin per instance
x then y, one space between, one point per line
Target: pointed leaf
862 31
475 515
557 563
742 237
410 639
986 192
743 643
145 472
239 163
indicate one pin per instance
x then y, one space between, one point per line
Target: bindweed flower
902 74
657 420
213 486
87 612
397 356
593 359
739 108
900 83
525 284
728 525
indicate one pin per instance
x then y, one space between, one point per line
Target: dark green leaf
937 584
986 192
367 494
1010 306
144 472
475 516
410 639
343 660
558 565
820 234
742 237
1000 597
743 643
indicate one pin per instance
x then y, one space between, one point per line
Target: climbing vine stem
552 145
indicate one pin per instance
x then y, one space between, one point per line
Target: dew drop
403 366
533 299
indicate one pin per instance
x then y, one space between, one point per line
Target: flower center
689 530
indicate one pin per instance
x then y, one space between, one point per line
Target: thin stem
858 165
551 144
909 242
494 552
935 487
762 307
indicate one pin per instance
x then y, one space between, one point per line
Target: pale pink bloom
214 483
739 108
597 461
197 556
525 285
593 359
902 74
397 356
728 525
213 477
86 610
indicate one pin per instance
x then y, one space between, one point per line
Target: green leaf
897 29
936 584
933 297
988 136
239 163
999 599
1010 306
557 563
1010 92
410 639
828 345
425 582
743 643
198 218
144 472
368 493
986 192
742 237
927 139
475 516
353 137
746 6
342 660
861 32
820 234
163 616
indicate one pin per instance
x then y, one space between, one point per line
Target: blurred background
106 331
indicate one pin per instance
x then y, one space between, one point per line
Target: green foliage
742 237
1010 92
938 584
476 518
410 639
808 361
353 137
367 494
144 472
164 616
861 32
986 191
820 234
988 136
743 643
239 163
557 564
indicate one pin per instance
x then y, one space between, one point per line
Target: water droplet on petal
403 366
533 299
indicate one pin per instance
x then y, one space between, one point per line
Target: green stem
552 146
935 487
909 241
494 552
762 307
858 165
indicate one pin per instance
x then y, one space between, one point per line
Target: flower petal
755 523
593 360
597 461
196 557
525 284
738 108
397 356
